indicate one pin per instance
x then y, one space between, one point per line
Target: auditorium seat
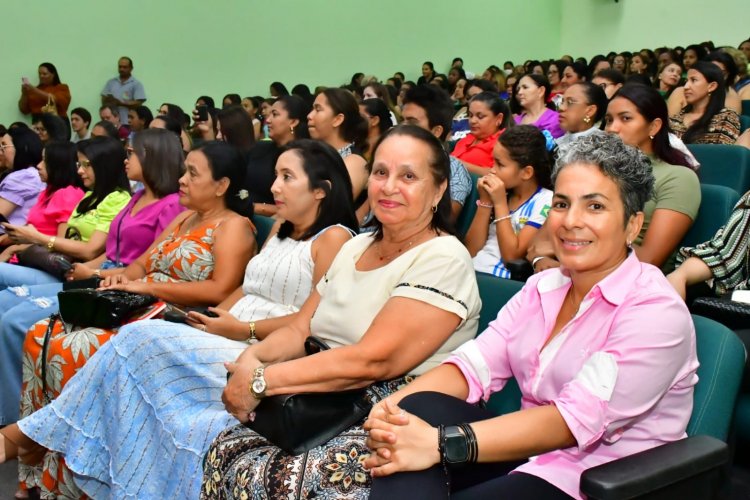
723 165
717 203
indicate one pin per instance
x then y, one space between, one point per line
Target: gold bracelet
252 337
51 243
98 273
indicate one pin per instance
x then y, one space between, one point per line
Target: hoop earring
434 209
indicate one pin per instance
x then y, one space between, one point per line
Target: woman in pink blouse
54 205
602 348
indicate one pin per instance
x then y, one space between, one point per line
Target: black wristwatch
455 445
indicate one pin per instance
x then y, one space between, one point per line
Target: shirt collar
614 287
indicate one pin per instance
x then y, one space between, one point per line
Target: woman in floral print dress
197 260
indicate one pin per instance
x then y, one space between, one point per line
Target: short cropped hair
626 165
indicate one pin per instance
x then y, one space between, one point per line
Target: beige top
438 272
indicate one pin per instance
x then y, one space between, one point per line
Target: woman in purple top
532 95
20 186
156 160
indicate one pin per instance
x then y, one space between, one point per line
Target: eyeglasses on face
83 164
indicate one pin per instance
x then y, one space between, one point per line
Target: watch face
456 449
259 386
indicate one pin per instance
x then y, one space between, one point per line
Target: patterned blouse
724 128
727 254
183 257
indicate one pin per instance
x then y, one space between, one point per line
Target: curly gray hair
627 166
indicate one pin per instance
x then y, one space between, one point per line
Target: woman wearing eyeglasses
580 110
20 184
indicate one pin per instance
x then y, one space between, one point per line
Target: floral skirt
241 464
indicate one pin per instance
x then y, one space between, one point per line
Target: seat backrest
717 203
746 107
263 224
744 123
495 293
722 361
723 165
470 208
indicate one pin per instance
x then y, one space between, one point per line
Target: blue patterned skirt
241 464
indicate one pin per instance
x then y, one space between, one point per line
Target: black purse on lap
87 307
730 313
296 423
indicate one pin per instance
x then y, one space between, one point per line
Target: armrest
654 469
520 269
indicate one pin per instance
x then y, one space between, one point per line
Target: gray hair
627 166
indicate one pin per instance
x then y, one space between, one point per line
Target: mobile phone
202 112
25 80
4 219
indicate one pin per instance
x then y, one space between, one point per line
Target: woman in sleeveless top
195 261
157 385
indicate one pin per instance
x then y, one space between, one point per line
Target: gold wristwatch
258 383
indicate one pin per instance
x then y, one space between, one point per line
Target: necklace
346 150
400 249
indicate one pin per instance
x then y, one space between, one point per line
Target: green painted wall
589 27
184 48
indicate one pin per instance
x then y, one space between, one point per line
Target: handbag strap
45 347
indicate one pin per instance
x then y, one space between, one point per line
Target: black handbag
299 422
87 307
731 313
38 257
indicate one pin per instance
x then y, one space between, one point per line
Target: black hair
527 146
579 68
594 61
57 130
176 113
28 147
594 96
162 160
440 169
539 81
234 99
400 76
303 91
60 159
651 105
325 170
130 61
455 59
496 105
700 51
354 127
107 158
429 65
485 85
108 127
376 107
224 160
280 89
613 75
729 65
436 104
170 124
207 100
237 127
639 78
712 73
52 69
84 114
297 109
143 113
355 78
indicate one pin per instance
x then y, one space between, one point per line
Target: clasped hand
399 441
237 398
121 282
491 189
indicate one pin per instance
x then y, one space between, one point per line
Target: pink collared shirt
621 372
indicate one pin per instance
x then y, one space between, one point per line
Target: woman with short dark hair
20 185
580 358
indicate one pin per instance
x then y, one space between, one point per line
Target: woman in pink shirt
602 348
52 210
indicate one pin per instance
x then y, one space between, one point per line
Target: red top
479 153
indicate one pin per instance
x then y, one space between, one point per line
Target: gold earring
291 129
586 119
651 137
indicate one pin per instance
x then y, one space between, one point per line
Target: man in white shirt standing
124 91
